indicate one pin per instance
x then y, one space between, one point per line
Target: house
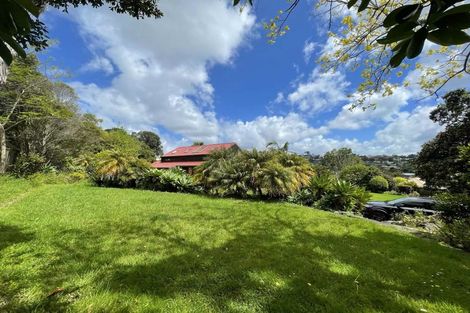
189 157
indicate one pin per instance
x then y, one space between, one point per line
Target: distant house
190 156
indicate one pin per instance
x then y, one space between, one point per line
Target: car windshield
396 201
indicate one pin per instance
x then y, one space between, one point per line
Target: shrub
455 213
378 184
343 196
404 185
453 206
359 174
28 164
319 185
173 180
176 180
457 233
302 197
273 173
113 169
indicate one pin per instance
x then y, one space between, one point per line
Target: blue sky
206 72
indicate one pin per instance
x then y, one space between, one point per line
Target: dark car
382 211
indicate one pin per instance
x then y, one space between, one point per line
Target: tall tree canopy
150 139
442 161
336 159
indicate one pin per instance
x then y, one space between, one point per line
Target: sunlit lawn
384 196
84 249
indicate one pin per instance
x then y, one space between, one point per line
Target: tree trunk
3 150
3 72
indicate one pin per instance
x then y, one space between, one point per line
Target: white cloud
404 134
321 92
386 109
309 49
99 64
163 64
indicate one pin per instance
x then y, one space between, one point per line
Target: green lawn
78 248
384 196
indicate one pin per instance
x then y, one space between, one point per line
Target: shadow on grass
278 266
10 235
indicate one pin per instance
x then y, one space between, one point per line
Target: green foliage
404 185
439 162
27 164
453 206
272 173
337 159
359 174
112 168
319 186
343 196
119 139
457 233
172 180
378 184
150 139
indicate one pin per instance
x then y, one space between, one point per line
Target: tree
438 162
383 33
120 140
359 174
26 97
150 139
336 159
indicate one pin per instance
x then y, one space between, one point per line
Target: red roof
198 150
159 164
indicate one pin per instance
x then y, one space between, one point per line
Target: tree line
42 127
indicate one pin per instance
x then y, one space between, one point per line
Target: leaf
363 5
416 43
395 38
449 37
236 2
460 9
410 14
351 3
392 17
457 21
396 60
5 53
29 6
400 44
20 17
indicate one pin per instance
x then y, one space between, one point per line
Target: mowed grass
384 196
78 248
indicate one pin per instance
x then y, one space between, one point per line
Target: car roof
417 199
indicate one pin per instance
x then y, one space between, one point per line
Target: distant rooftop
198 150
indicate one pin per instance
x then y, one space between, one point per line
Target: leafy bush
273 173
173 180
176 180
378 184
404 185
455 213
457 233
302 197
319 185
111 168
453 206
28 164
343 196
359 174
